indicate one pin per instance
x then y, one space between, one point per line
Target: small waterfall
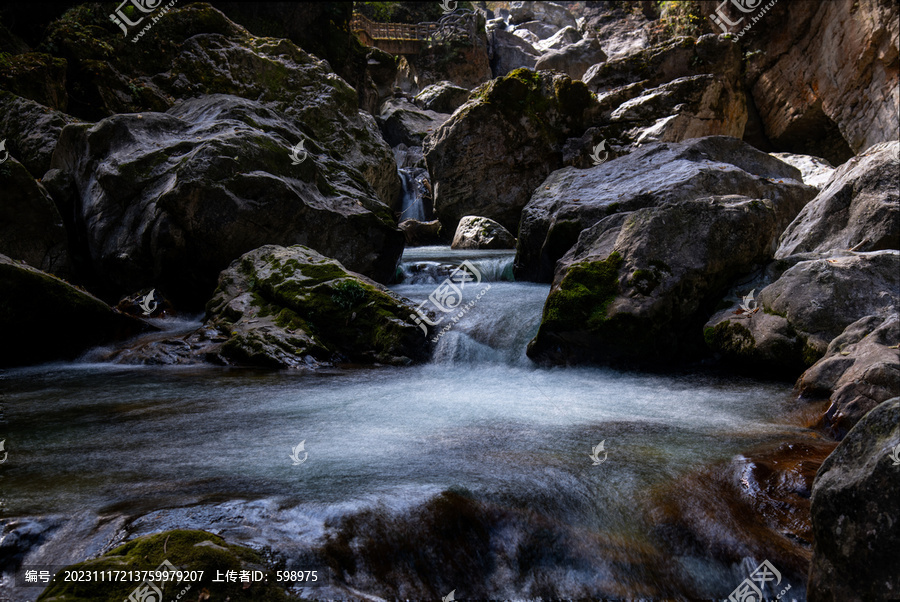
412 206
432 265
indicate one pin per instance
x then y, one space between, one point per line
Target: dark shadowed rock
571 200
44 318
859 208
510 52
402 122
169 200
31 228
419 234
474 232
573 60
854 513
638 286
495 149
442 97
36 76
30 130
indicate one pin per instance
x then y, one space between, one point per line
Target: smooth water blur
209 447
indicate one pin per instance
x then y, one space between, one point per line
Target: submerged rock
476 232
854 513
44 318
184 550
284 307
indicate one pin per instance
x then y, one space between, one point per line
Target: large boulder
30 131
823 75
573 60
806 307
559 40
638 286
860 369
474 232
168 200
292 307
571 200
402 122
506 139
510 52
551 13
854 513
45 318
442 97
31 228
859 209
816 171
460 56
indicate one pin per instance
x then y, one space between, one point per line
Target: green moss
810 354
348 294
730 338
644 281
584 294
188 551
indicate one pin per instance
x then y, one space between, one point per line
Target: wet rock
168 200
859 209
292 307
816 171
854 513
825 79
805 308
571 199
638 286
860 369
45 318
148 303
475 232
420 234
30 130
402 122
573 60
507 139
186 550
31 228
442 97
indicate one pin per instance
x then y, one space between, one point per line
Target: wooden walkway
405 38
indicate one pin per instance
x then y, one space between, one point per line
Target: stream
470 473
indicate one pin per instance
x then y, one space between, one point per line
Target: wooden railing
458 25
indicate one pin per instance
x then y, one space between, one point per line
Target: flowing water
470 473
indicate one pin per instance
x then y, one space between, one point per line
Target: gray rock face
571 200
559 40
854 513
474 232
45 318
860 369
169 200
30 130
573 60
810 304
492 153
402 122
638 286
419 234
510 52
859 209
816 171
31 228
546 12
443 97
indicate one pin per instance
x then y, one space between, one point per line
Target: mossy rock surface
187 550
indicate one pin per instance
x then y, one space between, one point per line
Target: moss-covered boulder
185 550
805 308
854 513
637 287
31 228
37 76
495 149
475 232
44 318
168 200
